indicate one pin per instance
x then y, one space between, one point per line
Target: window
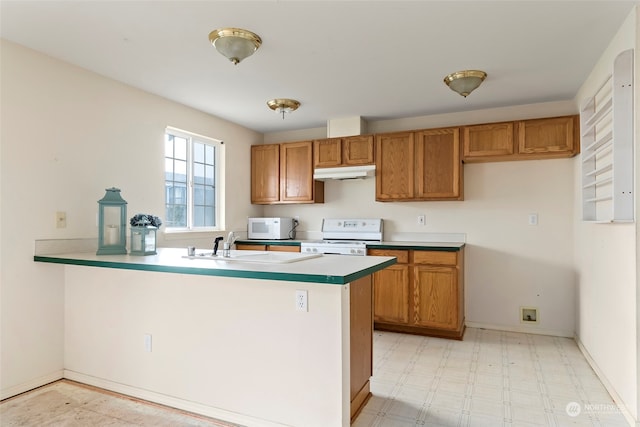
192 166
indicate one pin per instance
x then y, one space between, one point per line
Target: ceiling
375 59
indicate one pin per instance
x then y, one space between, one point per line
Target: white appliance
270 228
345 237
345 172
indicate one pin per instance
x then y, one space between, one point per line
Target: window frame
217 177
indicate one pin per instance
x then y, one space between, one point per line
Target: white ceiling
374 59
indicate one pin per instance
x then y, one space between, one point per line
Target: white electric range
345 236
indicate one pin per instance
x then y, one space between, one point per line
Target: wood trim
424 331
359 401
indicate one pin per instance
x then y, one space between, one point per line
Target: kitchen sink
256 257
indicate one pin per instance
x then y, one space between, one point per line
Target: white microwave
270 228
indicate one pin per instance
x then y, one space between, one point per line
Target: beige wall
254 382
605 257
509 263
67 134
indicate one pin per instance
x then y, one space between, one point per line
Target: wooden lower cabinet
422 294
263 247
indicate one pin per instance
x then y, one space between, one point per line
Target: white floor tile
491 378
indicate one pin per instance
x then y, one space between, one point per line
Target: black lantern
112 223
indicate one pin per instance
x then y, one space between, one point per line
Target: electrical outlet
422 220
301 300
533 219
147 343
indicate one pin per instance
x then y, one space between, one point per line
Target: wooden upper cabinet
296 174
486 141
544 138
357 150
395 158
438 168
265 173
283 173
327 153
423 165
346 151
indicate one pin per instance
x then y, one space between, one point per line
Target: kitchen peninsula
223 338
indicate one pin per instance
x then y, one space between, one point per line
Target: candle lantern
112 223
143 240
143 234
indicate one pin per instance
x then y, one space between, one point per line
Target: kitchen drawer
283 248
403 256
435 257
250 247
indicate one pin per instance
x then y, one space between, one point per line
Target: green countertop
328 269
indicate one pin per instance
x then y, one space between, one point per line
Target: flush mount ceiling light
465 82
283 105
235 43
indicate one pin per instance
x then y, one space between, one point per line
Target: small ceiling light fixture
465 82
235 43
283 105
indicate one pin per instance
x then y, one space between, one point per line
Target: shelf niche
606 137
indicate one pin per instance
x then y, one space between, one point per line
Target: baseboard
523 329
30 385
174 402
612 391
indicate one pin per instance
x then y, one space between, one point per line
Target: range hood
345 172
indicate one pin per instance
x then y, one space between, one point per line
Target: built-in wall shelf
606 138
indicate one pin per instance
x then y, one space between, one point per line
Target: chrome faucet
216 242
226 251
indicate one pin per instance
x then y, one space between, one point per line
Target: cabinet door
438 167
435 297
395 166
296 172
357 150
391 294
546 137
486 141
265 173
327 153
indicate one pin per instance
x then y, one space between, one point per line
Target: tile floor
491 378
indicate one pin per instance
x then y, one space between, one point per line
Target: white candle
112 235
136 243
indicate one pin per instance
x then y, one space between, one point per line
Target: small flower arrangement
145 220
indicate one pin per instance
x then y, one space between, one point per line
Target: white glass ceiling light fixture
235 43
283 105
465 82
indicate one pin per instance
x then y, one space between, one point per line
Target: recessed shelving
606 121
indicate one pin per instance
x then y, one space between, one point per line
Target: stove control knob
353 251
315 249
